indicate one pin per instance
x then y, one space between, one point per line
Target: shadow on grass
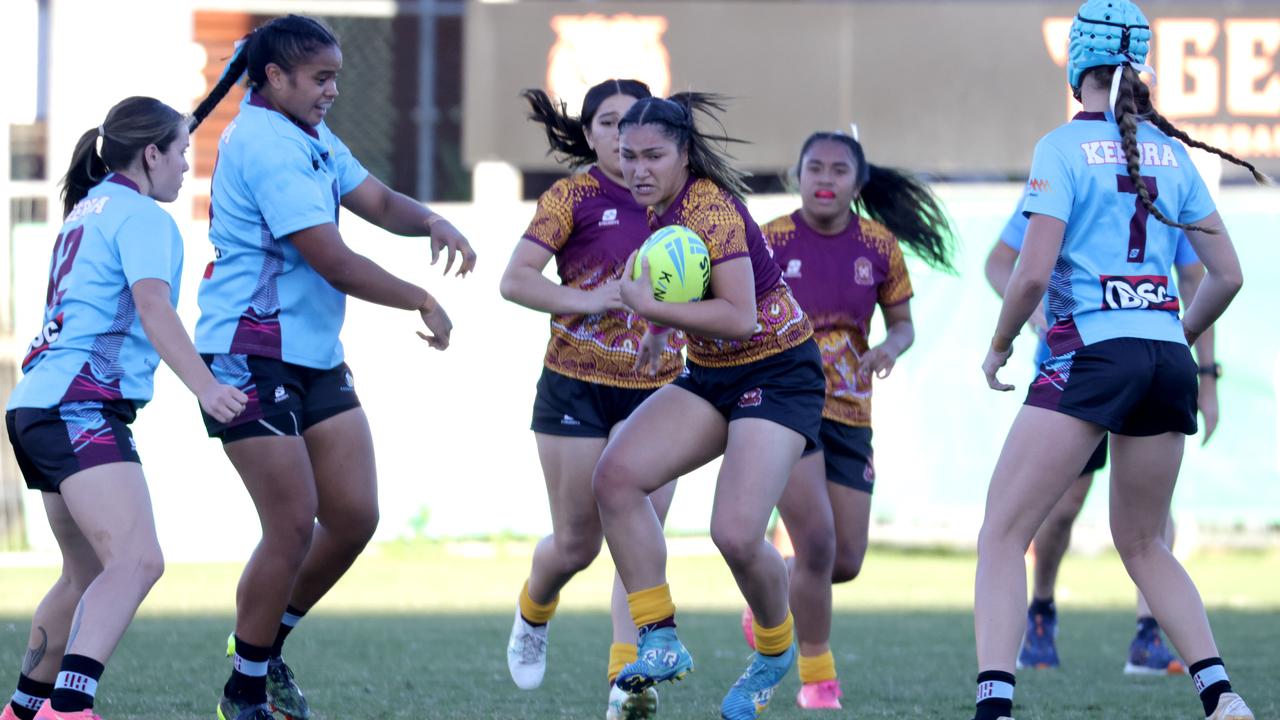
445 666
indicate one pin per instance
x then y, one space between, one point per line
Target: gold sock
650 605
774 640
817 668
532 612
620 656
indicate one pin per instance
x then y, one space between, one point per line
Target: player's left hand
996 360
1207 399
445 235
877 360
651 347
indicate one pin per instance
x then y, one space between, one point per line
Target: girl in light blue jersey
109 318
272 305
1108 194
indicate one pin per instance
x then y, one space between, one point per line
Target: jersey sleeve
1050 190
150 247
280 178
552 222
1185 254
718 221
1198 203
350 172
1016 228
896 287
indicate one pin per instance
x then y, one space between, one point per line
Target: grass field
419 632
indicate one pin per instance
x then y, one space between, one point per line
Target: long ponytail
132 125
285 42
1133 105
231 74
898 200
87 169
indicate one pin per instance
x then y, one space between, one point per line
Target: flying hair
567 135
898 200
707 151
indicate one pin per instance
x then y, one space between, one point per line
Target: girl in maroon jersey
841 255
753 394
589 223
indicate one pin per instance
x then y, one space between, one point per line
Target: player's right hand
437 321
996 360
222 402
604 298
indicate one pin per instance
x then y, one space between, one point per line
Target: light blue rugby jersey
259 296
1016 229
91 346
1112 278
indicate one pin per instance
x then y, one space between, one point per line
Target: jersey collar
119 179
257 100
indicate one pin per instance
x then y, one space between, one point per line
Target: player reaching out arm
272 305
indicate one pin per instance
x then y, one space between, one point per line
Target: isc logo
49 335
1137 292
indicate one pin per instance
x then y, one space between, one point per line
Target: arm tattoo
36 654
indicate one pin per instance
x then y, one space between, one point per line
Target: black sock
248 682
1043 607
292 616
1210 676
77 684
995 695
1147 625
30 696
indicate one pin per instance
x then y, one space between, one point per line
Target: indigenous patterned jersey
273 178
593 224
1112 275
724 224
91 345
838 280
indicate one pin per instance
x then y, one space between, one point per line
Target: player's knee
579 548
359 526
815 549
150 566
290 537
994 538
739 547
848 565
610 480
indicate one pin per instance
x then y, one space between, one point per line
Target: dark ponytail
132 125
898 200
708 157
285 41
1133 105
567 135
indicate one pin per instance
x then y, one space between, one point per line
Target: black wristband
1214 370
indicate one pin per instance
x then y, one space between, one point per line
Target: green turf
419 632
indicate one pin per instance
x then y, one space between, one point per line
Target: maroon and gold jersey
839 280
724 224
592 224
